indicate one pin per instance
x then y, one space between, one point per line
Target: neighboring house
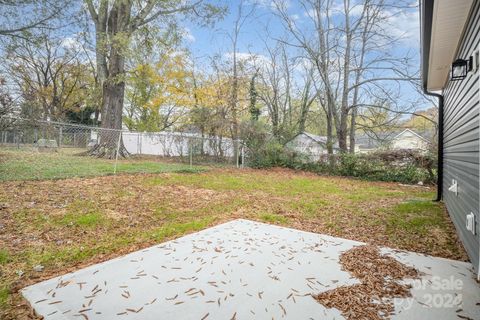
406 139
450 33
314 146
409 140
370 143
310 145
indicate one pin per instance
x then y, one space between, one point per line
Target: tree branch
142 18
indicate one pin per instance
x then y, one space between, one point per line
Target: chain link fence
38 149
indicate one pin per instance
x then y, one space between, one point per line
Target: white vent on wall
454 187
476 60
470 222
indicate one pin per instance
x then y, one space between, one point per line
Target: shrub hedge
406 166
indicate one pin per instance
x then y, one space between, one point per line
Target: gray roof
376 140
319 139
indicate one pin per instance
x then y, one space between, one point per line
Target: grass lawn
66 224
27 164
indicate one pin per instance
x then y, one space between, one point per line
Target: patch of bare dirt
380 277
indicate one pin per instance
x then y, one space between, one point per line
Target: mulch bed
380 277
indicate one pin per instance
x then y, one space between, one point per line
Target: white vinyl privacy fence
177 144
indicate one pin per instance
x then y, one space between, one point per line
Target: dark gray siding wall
461 141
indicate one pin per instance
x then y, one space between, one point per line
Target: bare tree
7 106
338 42
308 96
241 17
276 86
50 78
287 89
317 45
19 17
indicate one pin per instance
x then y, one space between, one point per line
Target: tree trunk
343 127
353 125
353 119
306 103
358 76
234 100
111 77
234 104
112 106
331 158
342 132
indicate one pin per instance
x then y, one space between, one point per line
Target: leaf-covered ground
63 225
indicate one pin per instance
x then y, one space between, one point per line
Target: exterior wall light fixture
460 68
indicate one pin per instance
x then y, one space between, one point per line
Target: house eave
442 25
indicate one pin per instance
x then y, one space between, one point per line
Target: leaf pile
380 277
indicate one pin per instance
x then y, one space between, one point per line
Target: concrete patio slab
243 270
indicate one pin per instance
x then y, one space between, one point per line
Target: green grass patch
179 228
309 207
164 211
53 255
83 214
418 206
273 218
366 193
31 165
219 182
4 293
416 216
60 256
31 219
273 184
87 220
168 213
4 256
